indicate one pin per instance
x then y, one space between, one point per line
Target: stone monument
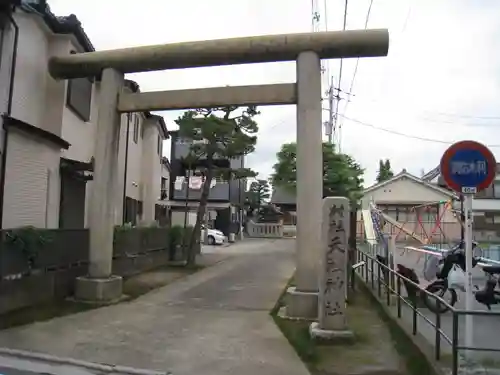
333 280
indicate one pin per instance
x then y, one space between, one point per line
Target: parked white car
215 236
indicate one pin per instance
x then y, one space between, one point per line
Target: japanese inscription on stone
333 286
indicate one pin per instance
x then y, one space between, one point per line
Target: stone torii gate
306 49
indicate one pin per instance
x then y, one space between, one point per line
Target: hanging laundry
179 181
195 182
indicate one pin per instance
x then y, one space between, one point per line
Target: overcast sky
439 83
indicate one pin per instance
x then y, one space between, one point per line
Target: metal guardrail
381 278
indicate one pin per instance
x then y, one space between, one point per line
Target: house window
496 190
79 97
163 188
493 219
136 128
159 146
393 212
411 215
402 214
133 210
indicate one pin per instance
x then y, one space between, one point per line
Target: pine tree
384 170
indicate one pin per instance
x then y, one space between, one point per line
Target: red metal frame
437 225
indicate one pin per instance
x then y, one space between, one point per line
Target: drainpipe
8 113
186 208
186 198
462 219
124 200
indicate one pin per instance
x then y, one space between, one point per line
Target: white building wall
406 191
80 134
29 99
41 101
179 216
151 170
5 70
32 186
156 175
165 173
55 97
403 191
134 163
121 170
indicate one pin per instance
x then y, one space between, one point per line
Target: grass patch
370 352
41 312
416 363
296 332
133 287
485 363
489 363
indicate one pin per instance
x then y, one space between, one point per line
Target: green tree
258 193
384 172
217 133
342 176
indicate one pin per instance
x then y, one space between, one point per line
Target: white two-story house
162 208
48 130
140 165
419 206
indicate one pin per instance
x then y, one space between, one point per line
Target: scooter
488 295
456 257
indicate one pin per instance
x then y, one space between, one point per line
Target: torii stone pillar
303 298
100 285
305 48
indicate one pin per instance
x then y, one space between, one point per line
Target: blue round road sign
468 167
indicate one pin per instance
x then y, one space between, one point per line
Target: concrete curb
59 361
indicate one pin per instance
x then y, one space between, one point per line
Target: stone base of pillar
99 291
330 335
301 305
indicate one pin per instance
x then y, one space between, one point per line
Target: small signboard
468 167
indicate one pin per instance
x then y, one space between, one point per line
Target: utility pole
329 125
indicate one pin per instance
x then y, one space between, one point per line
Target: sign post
467 168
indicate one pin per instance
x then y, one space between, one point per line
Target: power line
343 28
433 140
325 65
325 8
408 14
367 19
437 113
341 66
316 19
468 116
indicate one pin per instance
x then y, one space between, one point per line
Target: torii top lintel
257 49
